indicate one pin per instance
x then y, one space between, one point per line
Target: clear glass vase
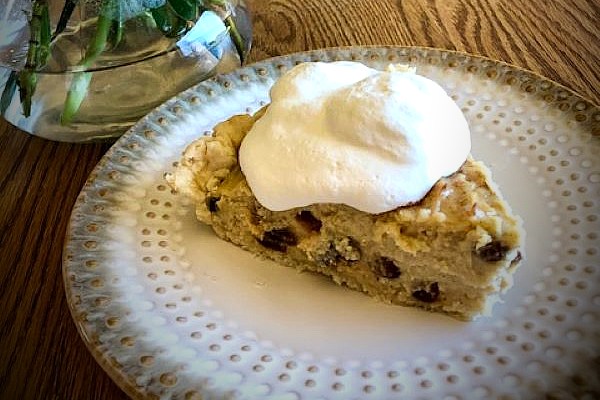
89 74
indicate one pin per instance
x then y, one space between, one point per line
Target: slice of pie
452 252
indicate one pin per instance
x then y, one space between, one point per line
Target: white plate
170 310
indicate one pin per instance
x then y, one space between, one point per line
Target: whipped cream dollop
342 132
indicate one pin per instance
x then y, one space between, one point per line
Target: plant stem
65 16
223 9
37 53
81 80
77 92
236 38
115 33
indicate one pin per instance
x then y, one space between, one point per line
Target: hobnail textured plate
170 311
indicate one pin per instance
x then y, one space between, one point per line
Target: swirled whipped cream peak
342 132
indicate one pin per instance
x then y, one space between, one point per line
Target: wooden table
41 354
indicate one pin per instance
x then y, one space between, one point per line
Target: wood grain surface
41 354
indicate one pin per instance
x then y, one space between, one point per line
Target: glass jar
89 72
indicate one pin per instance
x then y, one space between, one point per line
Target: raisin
493 251
211 203
309 221
386 268
427 296
278 239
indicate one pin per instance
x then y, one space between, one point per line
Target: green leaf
9 91
186 9
169 23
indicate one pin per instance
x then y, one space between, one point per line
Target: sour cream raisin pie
364 176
